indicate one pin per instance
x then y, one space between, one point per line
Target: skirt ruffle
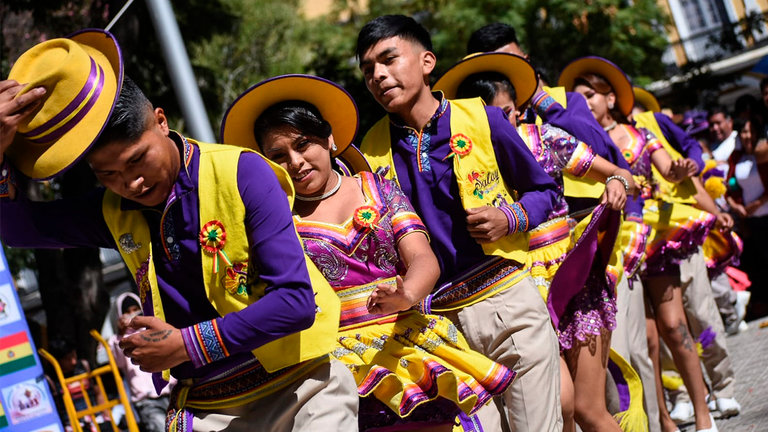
417 359
721 250
591 312
548 245
678 231
632 241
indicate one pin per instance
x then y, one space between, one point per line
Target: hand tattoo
156 336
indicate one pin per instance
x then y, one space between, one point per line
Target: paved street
749 353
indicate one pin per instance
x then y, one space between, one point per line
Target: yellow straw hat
646 99
625 99
82 75
334 103
517 69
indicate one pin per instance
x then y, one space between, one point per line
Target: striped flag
15 353
3 418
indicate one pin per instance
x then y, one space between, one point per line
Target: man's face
512 48
143 171
720 126
394 71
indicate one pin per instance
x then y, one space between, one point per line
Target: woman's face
306 158
598 103
504 101
747 136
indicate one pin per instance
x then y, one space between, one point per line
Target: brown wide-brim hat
646 99
622 88
517 70
334 103
82 75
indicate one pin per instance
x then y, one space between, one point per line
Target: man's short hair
491 37
388 26
130 117
718 109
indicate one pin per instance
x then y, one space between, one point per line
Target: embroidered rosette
213 237
236 281
460 144
365 217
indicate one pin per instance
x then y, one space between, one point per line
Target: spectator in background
150 406
748 198
723 137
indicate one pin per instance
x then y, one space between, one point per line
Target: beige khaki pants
629 340
702 313
323 400
513 328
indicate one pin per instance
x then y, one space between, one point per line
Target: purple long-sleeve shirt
288 305
429 181
681 141
578 120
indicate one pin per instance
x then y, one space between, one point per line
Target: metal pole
177 62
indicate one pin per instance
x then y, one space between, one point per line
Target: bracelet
621 179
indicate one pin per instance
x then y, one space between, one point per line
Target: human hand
753 206
724 221
615 195
156 346
678 171
388 298
691 166
487 224
739 209
15 110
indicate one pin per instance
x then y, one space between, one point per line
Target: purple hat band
90 92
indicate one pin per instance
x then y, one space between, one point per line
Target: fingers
140 321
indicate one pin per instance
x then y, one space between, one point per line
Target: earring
333 147
610 105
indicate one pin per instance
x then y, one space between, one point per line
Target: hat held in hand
82 75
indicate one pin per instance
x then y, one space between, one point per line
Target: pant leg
629 340
725 297
514 329
325 399
704 317
152 413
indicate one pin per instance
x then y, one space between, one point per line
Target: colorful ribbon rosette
213 237
365 217
460 144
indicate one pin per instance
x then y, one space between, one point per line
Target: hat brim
646 99
622 87
334 103
44 161
517 69
353 161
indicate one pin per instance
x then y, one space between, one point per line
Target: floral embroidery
236 279
366 217
485 183
142 281
460 144
213 237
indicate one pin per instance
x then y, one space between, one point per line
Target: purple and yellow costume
405 359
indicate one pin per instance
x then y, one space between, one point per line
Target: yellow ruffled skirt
547 247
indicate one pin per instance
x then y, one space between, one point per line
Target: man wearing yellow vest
205 230
479 190
570 112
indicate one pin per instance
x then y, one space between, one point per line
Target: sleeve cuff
204 343
6 179
542 101
516 216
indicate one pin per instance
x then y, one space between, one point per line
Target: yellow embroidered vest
683 192
579 187
477 172
228 289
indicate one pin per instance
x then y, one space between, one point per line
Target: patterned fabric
6 179
203 343
556 151
549 244
421 140
590 313
350 256
404 360
721 251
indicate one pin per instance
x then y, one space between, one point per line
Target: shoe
728 406
711 404
682 412
742 300
743 326
713 428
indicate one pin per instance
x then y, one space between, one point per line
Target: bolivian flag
15 353
3 419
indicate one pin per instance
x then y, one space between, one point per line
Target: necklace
611 126
325 195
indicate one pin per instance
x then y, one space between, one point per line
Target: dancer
675 230
412 370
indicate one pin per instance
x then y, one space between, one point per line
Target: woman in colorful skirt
674 230
413 371
508 81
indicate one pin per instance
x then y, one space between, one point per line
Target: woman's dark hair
388 26
755 126
295 114
491 37
130 117
486 85
601 85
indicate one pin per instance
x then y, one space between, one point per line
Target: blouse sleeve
404 218
569 153
651 142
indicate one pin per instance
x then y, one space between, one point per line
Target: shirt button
5 172
169 240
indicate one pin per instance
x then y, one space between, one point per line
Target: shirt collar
397 121
184 182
